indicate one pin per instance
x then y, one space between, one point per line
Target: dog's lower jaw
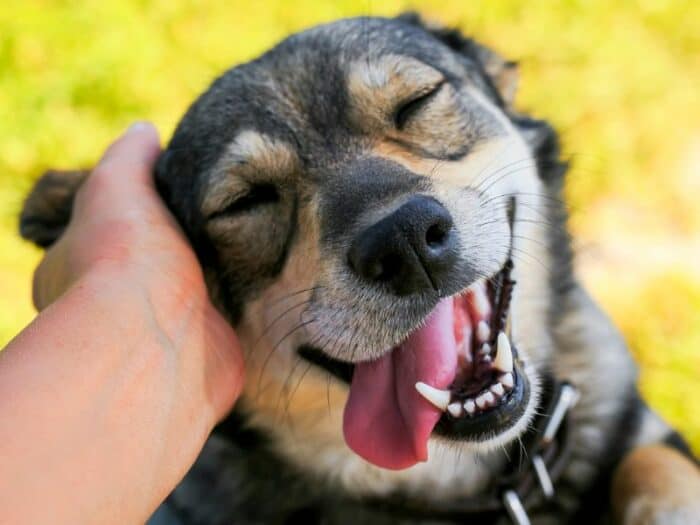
315 445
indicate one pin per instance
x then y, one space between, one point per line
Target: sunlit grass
618 79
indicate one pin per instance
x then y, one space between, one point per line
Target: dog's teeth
483 332
455 409
485 349
497 389
489 398
470 406
507 381
481 401
439 398
481 302
504 355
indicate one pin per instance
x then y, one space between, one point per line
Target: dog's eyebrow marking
250 157
252 147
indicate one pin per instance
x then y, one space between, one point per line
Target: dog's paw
650 512
655 485
48 206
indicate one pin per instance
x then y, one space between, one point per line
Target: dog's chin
471 384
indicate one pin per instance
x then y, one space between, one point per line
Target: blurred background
620 80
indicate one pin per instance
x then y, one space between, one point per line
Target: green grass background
619 79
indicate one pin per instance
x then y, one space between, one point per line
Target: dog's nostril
390 265
374 270
436 235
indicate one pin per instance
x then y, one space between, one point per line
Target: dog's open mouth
458 375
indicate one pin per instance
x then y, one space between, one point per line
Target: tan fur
377 85
391 150
251 157
655 481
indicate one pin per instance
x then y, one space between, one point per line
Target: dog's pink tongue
386 421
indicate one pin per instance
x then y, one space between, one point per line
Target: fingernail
137 127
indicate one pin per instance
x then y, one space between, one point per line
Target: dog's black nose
412 250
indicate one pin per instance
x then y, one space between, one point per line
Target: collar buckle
566 399
515 508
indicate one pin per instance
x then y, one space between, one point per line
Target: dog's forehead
305 93
311 69
304 90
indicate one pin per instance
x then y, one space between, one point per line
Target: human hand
120 227
139 363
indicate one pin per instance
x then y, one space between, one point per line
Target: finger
125 170
137 148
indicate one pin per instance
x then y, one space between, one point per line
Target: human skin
107 397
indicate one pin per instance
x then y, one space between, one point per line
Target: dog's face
358 196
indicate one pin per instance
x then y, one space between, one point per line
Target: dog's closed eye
409 108
259 195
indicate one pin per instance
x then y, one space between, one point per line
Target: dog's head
362 199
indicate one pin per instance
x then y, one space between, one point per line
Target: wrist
175 307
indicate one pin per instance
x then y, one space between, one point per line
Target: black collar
528 481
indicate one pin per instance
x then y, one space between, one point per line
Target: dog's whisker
279 317
277 345
521 252
494 158
479 186
296 388
502 176
541 242
293 294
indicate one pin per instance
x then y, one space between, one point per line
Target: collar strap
545 458
529 479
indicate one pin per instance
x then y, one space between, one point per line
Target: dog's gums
490 390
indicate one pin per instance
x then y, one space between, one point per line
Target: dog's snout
412 250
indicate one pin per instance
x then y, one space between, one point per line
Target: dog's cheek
286 280
275 324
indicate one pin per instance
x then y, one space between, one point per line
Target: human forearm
100 450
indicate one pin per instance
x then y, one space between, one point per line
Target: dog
386 233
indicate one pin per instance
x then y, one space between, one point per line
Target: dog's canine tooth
483 332
439 398
470 406
455 409
507 380
497 389
504 354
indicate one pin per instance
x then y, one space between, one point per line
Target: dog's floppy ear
47 208
501 74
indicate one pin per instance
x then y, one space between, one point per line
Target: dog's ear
47 208
501 74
